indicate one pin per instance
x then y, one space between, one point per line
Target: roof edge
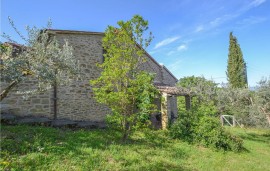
57 31
163 66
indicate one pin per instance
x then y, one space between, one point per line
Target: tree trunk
268 118
267 114
126 132
7 90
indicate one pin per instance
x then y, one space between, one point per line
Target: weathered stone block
45 101
35 101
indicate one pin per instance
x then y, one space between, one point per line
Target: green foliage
236 68
206 131
145 92
251 108
193 81
210 133
183 127
203 102
40 58
262 104
236 102
198 124
123 86
45 148
4 49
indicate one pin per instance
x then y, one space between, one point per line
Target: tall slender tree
122 85
236 68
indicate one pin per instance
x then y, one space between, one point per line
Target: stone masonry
76 101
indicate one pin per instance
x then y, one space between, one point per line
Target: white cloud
251 20
222 19
199 29
166 42
252 4
176 65
256 3
182 47
216 21
170 53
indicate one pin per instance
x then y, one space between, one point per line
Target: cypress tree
236 68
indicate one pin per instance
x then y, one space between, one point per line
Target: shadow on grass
21 139
264 138
158 151
24 140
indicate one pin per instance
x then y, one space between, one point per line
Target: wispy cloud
252 4
256 3
170 53
176 65
216 21
222 19
251 20
166 42
182 47
199 28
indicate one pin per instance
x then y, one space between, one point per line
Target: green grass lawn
45 148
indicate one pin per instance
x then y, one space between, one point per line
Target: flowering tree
39 58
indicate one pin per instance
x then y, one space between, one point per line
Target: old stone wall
167 77
40 104
152 67
76 101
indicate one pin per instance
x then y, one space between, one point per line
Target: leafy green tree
200 124
122 85
251 108
262 103
39 58
203 103
236 102
236 68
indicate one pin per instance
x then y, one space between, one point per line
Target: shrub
206 131
210 133
183 128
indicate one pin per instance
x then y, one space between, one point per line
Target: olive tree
40 57
251 108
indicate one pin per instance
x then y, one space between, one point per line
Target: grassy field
45 148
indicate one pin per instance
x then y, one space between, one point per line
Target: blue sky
191 36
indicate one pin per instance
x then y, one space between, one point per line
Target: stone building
76 101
